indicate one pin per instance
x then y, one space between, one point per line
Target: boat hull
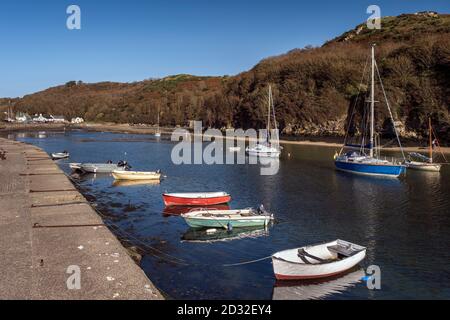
99 168
224 223
289 270
179 210
182 201
371 169
133 175
275 154
261 150
424 166
58 156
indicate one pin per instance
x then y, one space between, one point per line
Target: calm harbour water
404 223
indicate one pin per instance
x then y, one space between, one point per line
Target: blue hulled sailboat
366 158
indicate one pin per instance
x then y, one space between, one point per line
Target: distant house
77 120
40 118
57 119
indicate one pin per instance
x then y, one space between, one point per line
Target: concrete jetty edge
54 245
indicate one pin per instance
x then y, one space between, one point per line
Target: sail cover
367 146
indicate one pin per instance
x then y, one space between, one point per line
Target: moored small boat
317 261
423 166
228 219
99 167
425 163
234 149
136 175
60 155
263 150
358 163
196 198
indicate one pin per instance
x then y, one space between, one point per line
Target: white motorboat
136 175
60 155
228 219
262 150
234 149
317 261
99 167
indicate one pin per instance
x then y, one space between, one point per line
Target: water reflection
316 289
131 183
203 236
404 223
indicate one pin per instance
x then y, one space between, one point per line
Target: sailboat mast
372 103
268 114
431 140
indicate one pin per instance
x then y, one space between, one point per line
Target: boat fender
229 227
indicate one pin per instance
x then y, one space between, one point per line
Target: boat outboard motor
109 162
261 209
123 164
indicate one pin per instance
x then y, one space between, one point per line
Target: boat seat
342 250
302 254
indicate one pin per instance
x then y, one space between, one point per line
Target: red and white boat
195 198
317 261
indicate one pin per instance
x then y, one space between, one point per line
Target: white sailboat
266 149
420 162
158 131
370 164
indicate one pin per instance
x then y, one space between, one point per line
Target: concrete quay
53 244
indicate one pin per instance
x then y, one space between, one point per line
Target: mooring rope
245 262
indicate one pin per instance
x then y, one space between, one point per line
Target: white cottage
57 119
40 118
77 120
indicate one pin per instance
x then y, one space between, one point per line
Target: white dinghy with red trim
317 261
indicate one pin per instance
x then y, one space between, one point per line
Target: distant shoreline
322 141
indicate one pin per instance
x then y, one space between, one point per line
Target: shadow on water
203 236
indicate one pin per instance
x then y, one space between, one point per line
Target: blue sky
135 40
